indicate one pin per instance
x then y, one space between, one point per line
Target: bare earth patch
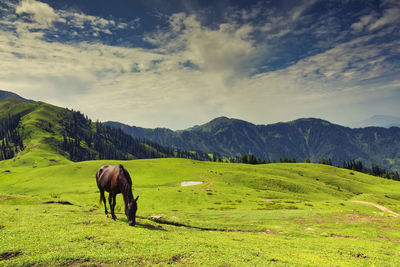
9 255
377 206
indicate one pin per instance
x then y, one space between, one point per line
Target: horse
115 180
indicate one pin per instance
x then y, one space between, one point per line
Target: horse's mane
126 174
126 183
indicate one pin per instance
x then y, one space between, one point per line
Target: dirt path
377 206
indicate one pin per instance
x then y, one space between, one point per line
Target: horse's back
106 177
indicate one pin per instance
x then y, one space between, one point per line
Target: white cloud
154 87
42 13
227 51
364 21
391 15
374 21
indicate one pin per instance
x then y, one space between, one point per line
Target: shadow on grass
145 225
150 226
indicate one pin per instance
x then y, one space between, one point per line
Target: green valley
284 214
280 214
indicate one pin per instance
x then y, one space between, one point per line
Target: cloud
42 13
364 21
194 72
228 50
373 21
391 15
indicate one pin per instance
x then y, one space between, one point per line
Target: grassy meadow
242 215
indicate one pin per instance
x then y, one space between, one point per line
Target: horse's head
130 211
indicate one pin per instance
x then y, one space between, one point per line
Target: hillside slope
300 139
6 94
241 215
59 134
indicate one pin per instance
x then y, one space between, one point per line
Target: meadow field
293 214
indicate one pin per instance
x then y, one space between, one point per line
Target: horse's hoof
114 218
106 216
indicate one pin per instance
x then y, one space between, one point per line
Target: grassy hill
46 128
274 214
278 214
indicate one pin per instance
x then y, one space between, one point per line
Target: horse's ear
136 198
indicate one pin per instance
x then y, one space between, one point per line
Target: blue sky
174 64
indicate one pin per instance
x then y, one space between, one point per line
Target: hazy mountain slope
5 94
312 138
380 121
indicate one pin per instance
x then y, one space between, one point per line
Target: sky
177 63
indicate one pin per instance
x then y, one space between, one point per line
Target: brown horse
115 180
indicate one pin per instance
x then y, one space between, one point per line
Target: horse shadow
147 226
152 227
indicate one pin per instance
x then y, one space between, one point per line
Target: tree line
10 136
375 170
85 140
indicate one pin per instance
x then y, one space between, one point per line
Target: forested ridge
10 136
85 140
73 135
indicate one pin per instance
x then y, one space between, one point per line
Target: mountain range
46 128
300 139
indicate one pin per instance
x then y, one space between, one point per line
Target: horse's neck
126 191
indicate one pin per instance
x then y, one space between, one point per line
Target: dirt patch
81 262
352 218
382 208
342 236
5 198
388 239
87 223
176 258
358 255
301 220
58 202
387 227
9 255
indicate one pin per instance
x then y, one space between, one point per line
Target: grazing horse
115 180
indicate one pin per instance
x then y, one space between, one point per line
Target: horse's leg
104 201
114 203
110 201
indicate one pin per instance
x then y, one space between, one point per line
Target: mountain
33 130
380 121
300 139
5 94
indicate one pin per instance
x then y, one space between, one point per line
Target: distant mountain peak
6 94
385 121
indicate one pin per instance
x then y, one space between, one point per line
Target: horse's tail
101 198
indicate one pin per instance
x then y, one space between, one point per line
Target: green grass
274 214
242 215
